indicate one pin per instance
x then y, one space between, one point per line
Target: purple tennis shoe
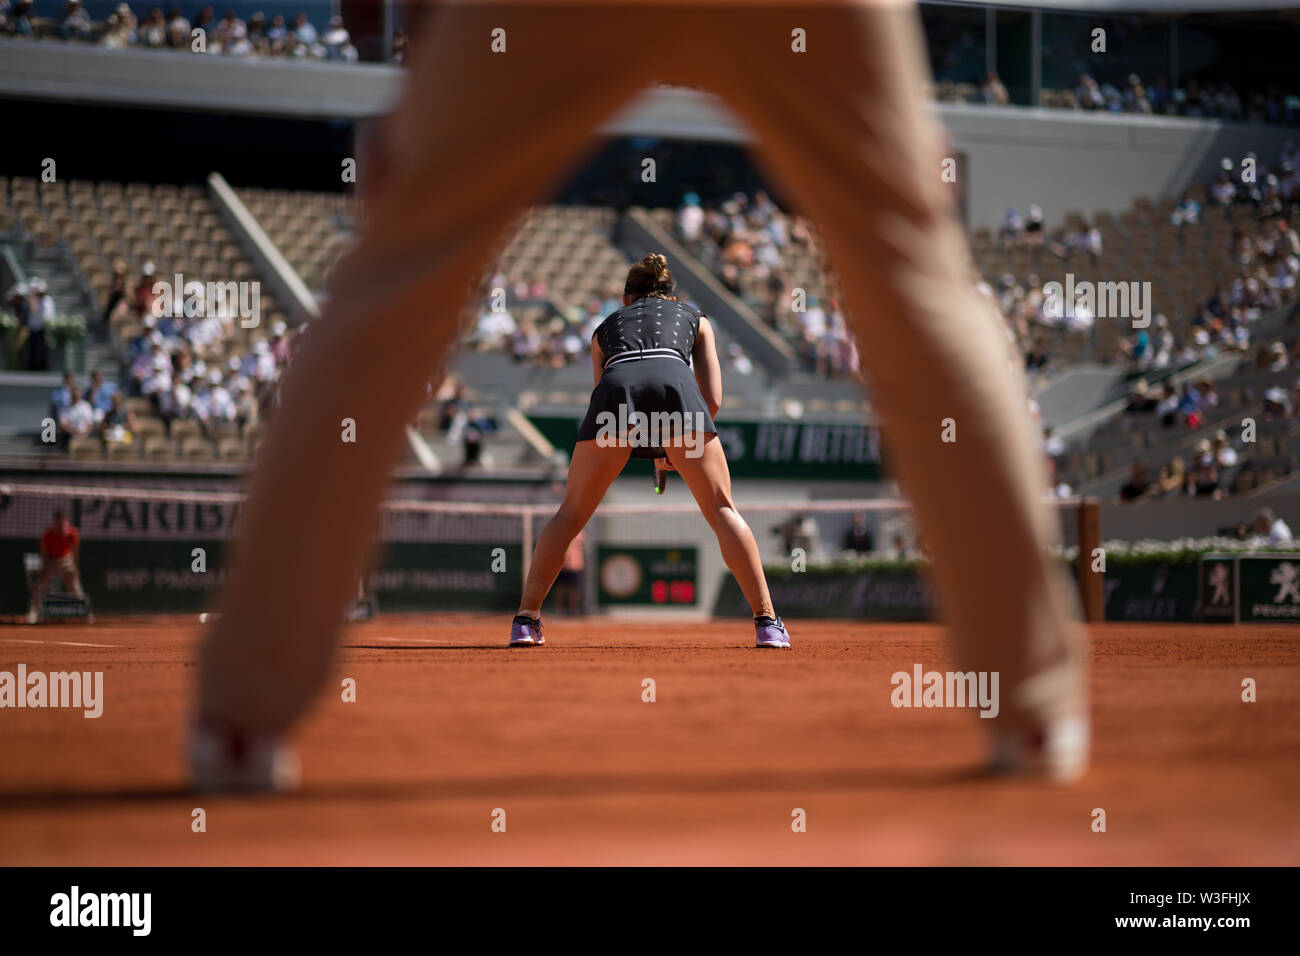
526 631
770 632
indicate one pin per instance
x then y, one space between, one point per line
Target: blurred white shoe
227 762
1057 752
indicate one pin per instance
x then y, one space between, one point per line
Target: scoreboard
654 576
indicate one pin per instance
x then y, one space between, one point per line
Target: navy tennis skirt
652 387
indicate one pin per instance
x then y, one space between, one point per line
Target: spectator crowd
196 367
1262 252
754 247
535 330
149 27
205 33
1221 101
96 408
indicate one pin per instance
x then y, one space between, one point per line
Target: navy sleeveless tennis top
649 328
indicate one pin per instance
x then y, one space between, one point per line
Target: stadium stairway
777 380
71 297
1078 387
25 395
1110 400
496 380
637 231
1102 450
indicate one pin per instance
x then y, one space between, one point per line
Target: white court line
20 640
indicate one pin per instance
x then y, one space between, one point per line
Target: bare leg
709 479
72 583
846 130
42 582
591 472
478 136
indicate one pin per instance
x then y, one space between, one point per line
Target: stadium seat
124 450
232 449
85 448
148 427
183 429
158 449
219 430
197 448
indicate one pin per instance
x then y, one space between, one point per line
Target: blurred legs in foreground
482 134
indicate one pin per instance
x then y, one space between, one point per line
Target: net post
1091 583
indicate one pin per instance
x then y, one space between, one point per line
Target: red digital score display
672 592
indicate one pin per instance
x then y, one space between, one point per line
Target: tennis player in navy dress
657 387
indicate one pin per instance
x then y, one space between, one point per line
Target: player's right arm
704 362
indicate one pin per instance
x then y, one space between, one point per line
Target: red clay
450 725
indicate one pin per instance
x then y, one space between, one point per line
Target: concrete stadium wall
169 80
1015 157
1181 518
1089 162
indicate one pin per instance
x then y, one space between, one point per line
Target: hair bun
650 276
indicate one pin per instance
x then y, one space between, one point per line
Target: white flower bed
1183 549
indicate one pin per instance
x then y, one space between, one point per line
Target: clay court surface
450 725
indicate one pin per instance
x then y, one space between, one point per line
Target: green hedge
1118 554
